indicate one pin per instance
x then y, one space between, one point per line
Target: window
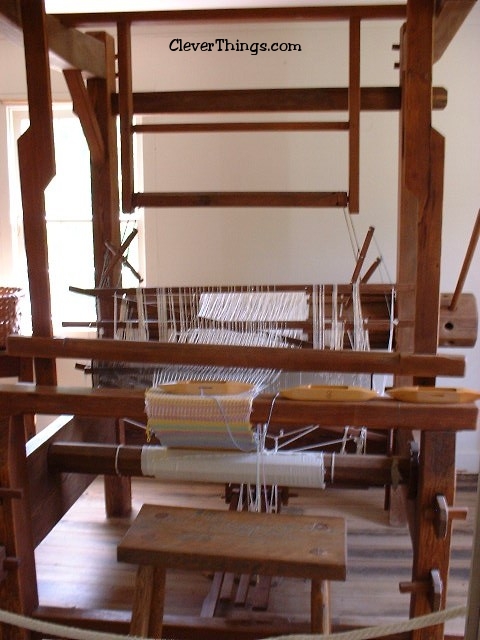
69 220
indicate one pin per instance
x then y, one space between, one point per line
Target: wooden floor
77 564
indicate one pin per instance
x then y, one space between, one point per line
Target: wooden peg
6 563
124 261
414 470
370 271
119 253
7 493
3 556
443 515
432 586
362 254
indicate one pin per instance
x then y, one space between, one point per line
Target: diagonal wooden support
362 254
83 108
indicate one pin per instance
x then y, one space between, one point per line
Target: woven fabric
207 422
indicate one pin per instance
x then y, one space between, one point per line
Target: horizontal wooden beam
242 199
236 356
103 459
220 127
366 289
379 414
255 14
69 48
270 100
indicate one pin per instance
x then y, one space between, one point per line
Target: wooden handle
445 514
466 263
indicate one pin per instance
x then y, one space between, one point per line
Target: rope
379 631
73 633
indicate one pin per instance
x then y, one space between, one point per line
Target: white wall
268 245
250 246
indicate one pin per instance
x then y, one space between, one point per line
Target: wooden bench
311 547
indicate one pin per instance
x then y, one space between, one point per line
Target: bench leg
320 606
147 611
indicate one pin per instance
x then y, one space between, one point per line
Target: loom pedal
228 588
261 593
211 600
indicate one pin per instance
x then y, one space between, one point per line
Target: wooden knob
6 563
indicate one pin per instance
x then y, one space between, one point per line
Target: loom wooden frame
428 29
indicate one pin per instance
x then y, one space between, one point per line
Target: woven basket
9 319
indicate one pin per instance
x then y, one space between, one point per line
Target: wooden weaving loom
38 482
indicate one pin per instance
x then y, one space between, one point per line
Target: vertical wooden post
105 197
106 230
354 118
472 624
18 589
125 105
118 489
419 253
36 155
437 450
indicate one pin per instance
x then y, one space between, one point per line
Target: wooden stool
312 547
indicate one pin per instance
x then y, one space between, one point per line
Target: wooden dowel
466 263
368 289
119 253
362 254
370 271
124 261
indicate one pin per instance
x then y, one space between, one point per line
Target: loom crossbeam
365 470
230 356
458 327
379 414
